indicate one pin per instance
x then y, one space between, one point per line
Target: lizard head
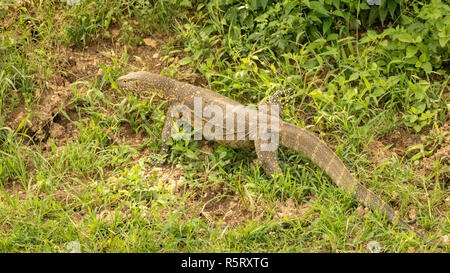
137 83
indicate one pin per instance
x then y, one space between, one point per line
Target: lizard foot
275 98
158 160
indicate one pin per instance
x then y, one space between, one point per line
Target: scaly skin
146 84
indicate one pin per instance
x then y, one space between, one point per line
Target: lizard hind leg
268 160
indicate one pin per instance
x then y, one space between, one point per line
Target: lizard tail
301 140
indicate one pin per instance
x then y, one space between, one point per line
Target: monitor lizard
145 84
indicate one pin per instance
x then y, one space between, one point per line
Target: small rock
74 247
115 33
150 42
412 214
56 130
394 195
446 240
73 2
374 247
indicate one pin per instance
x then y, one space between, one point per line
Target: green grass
98 187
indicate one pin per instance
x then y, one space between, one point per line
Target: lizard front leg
166 133
275 98
268 159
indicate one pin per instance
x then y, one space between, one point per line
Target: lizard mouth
121 82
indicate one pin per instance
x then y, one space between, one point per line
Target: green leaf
363 40
354 76
22 123
411 60
421 108
186 3
263 3
378 92
427 67
406 20
332 37
185 60
318 7
404 37
326 26
419 93
383 13
424 57
373 14
411 51
253 4
443 41
336 3
413 118
391 6
418 155
339 13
